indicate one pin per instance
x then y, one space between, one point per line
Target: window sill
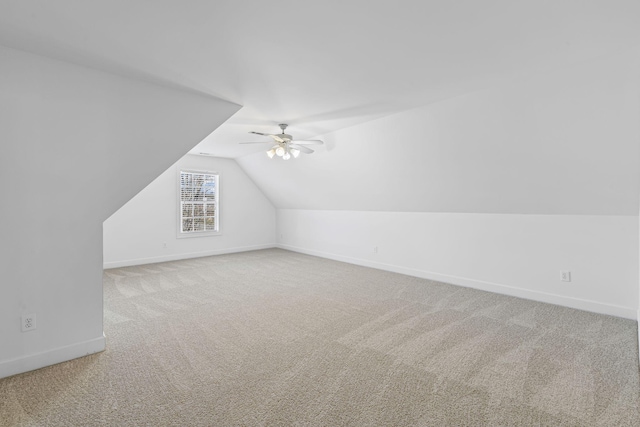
198 234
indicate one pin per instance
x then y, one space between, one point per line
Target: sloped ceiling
562 142
412 97
323 65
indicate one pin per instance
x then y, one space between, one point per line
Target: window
199 194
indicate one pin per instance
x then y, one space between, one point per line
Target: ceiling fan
285 146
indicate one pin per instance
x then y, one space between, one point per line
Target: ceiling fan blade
276 137
302 148
257 142
307 142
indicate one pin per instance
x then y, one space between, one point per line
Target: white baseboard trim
51 357
580 304
177 257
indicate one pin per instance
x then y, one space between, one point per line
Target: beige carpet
274 338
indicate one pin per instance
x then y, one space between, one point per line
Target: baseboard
177 257
580 304
51 357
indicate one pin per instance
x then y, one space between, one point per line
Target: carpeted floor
275 338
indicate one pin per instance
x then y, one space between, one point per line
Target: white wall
75 145
138 231
499 189
520 255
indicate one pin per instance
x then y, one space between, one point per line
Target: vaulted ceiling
376 80
320 66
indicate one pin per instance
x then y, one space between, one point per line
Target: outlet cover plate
28 322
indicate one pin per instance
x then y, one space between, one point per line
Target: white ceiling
320 66
563 142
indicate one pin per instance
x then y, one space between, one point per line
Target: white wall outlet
565 276
164 245
375 249
28 322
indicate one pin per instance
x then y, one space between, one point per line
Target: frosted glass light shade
271 153
286 156
279 151
295 152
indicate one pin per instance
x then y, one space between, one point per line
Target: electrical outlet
164 245
28 322
375 249
565 276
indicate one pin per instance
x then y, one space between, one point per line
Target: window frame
205 233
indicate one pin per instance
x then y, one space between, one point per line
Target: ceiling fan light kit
286 146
